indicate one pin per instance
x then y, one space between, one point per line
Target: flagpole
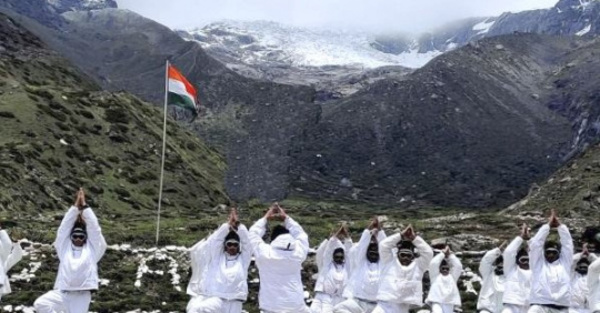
164 145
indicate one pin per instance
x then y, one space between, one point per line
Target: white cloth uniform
594 286
332 277
218 282
550 282
10 254
444 288
579 287
78 268
400 286
517 286
442 308
361 290
492 287
279 266
545 309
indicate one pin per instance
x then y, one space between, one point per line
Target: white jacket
551 282
279 266
332 278
399 283
517 286
492 287
10 254
594 285
364 275
579 284
444 288
214 272
79 273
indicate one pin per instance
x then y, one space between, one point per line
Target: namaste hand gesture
553 220
525 232
80 200
503 245
409 233
447 251
342 233
233 221
275 212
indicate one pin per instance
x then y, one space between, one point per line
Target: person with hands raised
363 283
551 263
79 245
444 271
10 254
220 269
280 262
401 283
491 269
333 271
517 286
579 281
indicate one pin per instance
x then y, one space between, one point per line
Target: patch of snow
584 31
483 27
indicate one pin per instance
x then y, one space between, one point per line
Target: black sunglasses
444 269
232 244
78 236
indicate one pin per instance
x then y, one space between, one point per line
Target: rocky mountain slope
60 132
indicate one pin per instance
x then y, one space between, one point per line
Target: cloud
376 15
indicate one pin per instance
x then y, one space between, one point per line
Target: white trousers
514 308
442 308
56 301
324 303
354 306
201 304
390 307
544 309
579 310
303 309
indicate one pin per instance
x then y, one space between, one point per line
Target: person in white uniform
280 263
551 269
594 286
220 269
401 283
579 281
10 254
517 286
79 245
333 271
444 271
361 290
491 269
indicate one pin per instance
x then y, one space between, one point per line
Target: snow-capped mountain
257 42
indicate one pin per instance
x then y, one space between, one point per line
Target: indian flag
181 92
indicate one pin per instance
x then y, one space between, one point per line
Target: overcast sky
368 15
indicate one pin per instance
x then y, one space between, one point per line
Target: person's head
523 259
551 251
339 256
444 268
582 266
373 252
499 266
78 236
406 252
232 243
278 230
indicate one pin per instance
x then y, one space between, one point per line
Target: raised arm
5 245
425 253
15 256
215 241
63 240
455 267
320 256
301 249
536 247
386 247
594 274
510 254
246 245
486 266
256 233
434 266
566 250
94 232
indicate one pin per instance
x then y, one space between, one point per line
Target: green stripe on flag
181 101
